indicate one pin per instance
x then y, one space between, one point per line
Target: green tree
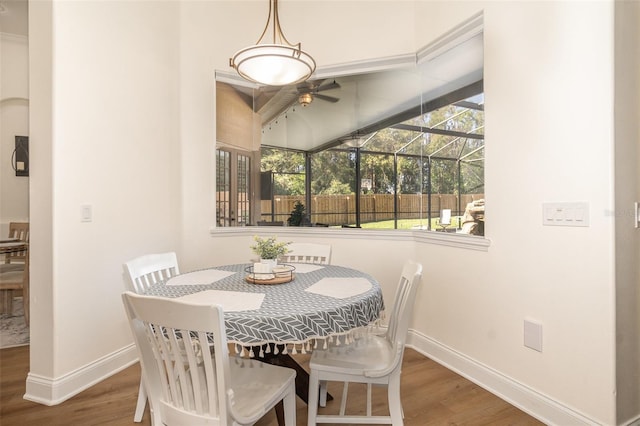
288 168
333 172
281 161
337 188
409 175
288 184
378 168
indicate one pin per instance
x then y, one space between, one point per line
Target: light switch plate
565 214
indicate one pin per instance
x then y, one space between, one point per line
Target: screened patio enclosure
397 175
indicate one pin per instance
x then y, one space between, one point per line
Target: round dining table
320 303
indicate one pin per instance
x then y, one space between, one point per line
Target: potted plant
269 249
297 214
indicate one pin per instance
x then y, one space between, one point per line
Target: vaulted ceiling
346 105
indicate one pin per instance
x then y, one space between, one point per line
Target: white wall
543 61
105 128
14 121
150 91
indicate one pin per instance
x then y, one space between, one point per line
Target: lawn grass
407 223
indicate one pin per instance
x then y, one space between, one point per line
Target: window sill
465 241
462 241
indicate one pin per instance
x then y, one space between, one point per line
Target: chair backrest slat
319 254
144 271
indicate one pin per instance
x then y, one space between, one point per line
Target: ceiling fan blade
306 87
326 98
333 85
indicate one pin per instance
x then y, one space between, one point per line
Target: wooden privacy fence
341 209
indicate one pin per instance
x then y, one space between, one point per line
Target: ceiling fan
309 91
270 102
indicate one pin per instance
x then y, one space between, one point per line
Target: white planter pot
269 264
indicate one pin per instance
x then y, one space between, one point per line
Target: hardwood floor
431 395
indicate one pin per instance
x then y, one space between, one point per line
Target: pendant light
274 64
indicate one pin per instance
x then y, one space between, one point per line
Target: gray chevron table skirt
289 314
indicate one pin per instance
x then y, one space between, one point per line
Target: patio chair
191 380
140 274
373 359
445 219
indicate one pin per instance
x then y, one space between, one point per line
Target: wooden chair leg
7 301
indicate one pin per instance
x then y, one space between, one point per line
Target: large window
397 144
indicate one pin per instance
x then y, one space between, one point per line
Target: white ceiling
365 98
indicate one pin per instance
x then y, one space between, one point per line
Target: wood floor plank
431 395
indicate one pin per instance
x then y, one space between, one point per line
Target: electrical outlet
533 335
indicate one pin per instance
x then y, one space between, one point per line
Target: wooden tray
283 275
276 280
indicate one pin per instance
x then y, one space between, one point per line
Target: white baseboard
53 391
515 393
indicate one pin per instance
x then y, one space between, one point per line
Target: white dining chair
308 253
140 274
372 359
190 379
